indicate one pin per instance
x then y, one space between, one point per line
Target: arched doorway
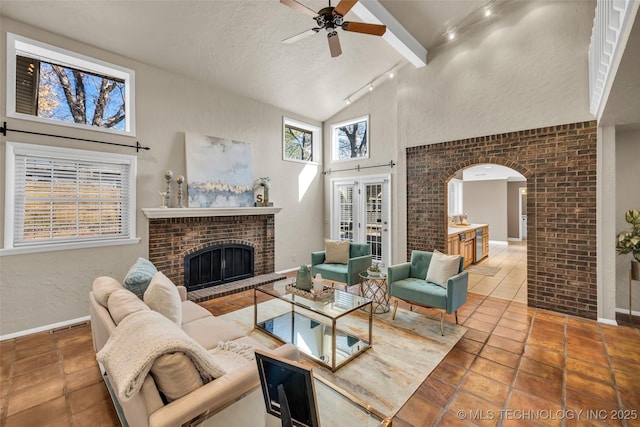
489 197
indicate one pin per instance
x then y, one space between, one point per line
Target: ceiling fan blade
302 35
362 27
344 6
334 44
293 4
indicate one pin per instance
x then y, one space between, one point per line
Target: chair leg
395 308
442 323
456 312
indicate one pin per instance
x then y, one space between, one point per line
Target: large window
300 141
53 85
61 198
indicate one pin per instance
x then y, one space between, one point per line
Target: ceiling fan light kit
330 19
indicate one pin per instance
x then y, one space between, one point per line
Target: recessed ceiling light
487 167
452 35
391 75
487 12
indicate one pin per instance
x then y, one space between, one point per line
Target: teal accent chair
407 282
359 260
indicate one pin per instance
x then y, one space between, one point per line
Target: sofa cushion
122 303
209 331
103 287
175 375
336 251
139 276
162 296
192 311
442 267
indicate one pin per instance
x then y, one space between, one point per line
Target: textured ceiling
237 44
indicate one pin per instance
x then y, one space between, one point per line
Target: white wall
485 202
46 288
528 69
627 197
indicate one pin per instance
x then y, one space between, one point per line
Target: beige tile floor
510 282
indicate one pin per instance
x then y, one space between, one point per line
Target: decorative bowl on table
373 272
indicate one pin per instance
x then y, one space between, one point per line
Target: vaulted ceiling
237 44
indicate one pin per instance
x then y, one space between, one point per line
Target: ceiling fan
330 18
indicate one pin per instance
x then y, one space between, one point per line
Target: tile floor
514 366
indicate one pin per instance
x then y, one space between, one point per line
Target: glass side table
374 288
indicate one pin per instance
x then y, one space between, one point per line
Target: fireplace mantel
206 212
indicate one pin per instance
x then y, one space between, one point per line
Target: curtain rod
391 164
4 131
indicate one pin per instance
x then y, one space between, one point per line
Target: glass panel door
361 213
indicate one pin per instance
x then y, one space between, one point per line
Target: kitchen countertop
461 229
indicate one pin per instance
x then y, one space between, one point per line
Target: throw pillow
103 287
336 251
123 303
442 267
175 375
163 296
139 276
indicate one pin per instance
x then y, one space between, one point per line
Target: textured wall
559 163
170 239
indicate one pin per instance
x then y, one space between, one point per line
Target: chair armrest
457 291
212 396
317 257
357 265
397 272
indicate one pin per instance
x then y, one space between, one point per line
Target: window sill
66 246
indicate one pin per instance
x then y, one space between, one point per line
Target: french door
360 212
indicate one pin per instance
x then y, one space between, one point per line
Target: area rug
404 352
483 270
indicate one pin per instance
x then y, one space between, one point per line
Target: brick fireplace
177 233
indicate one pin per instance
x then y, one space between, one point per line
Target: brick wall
559 163
170 239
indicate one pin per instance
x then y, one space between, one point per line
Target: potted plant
629 242
373 271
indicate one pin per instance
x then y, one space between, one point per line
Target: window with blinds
61 196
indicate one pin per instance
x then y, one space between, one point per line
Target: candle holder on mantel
168 174
180 181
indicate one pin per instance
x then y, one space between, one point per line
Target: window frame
16 148
316 138
17 44
455 188
334 139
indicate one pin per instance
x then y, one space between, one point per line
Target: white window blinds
64 195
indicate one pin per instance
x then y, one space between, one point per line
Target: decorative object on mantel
180 181
219 172
263 199
168 174
629 242
303 279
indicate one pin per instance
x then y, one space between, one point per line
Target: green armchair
359 260
408 282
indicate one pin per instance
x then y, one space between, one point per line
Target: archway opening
487 222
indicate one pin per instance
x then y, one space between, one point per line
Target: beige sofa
110 305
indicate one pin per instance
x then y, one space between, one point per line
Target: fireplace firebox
218 264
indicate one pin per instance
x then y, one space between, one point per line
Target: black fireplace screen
218 264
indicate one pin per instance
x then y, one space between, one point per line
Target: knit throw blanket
138 340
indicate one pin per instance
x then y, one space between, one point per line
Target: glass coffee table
324 330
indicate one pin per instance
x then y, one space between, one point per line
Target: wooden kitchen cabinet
468 251
453 247
485 241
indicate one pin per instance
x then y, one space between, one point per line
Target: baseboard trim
50 327
626 311
498 242
607 321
